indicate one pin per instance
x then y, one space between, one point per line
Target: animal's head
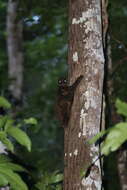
62 82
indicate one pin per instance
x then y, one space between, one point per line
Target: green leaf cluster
8 174
116 135
4 103
50 181
9 129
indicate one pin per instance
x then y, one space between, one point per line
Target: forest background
45 41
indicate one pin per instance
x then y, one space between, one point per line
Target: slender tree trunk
15 56
85 58
14 47
122 171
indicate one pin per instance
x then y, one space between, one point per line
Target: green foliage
121 107
8 174
116 135
45 58
98 136
20 136
31 121
4 103
50 181
8 128
13 179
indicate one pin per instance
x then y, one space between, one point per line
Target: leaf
97 137
3 120
2 135
121 107
20 136
3 180
31 121
9 123
8 144
115 138
14 179
5 162
56 177
12 166
4 103
4 158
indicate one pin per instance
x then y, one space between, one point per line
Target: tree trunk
14 46
15 56
122 171
85 58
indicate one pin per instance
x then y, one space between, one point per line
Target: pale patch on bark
76 152
88 19
95 71
83 122
65 154
94 153
79 135
90 13
89 183
90 96
75 57
93 179
70 154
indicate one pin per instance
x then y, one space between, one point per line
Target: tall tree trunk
122 171
14 47
111 180
15 56
85 58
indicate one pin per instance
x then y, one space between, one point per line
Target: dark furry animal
65 99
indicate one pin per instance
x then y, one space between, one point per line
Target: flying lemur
65 99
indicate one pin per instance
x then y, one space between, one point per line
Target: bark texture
85 58
122 171
14 46
15 56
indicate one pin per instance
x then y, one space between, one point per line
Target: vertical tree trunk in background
15 56
14 46
85 58
112 115
122 169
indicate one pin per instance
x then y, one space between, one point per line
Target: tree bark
15 56
85 58
122 172
14 47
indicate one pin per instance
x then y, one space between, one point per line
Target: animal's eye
65 81
59 81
